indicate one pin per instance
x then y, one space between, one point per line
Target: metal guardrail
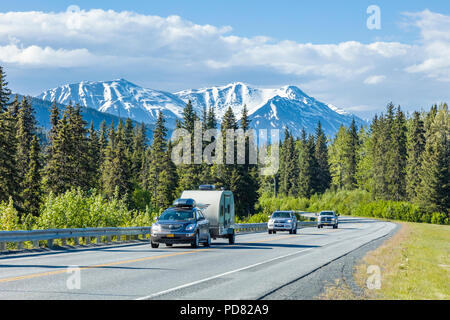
19 237
99 234
257 227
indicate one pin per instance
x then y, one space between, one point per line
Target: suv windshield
177 215
327 213
281 215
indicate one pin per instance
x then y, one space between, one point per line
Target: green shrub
76 209
351 203
9 217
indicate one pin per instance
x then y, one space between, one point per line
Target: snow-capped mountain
121 98
286 107
271 108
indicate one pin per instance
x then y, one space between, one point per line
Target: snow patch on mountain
280 108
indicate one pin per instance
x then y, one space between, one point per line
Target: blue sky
306 21
324 47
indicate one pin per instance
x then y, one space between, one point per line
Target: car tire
207 243
274 232
169 244
155 245
232 238
295 231
196 242
270 231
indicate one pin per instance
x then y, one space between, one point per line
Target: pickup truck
327 218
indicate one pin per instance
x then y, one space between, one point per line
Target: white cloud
374 79
171 50
37 56
435 44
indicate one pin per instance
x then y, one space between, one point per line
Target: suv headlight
156 228
289 221
190 227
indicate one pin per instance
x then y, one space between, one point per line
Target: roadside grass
414 264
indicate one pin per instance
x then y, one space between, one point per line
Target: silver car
328 218
282 221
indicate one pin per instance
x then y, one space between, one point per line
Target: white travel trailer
218 207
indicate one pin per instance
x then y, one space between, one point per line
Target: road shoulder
338 272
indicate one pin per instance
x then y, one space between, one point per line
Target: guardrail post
99 239
108 239
19 245
76 240
2 246
50 243
64 242
36 244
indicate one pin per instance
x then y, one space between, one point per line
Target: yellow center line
51 273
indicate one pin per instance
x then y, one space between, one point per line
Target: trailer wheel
232 238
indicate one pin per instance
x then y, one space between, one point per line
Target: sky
330 49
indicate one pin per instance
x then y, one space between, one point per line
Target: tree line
397 158
116 160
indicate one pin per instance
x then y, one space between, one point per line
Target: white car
282 221
328 218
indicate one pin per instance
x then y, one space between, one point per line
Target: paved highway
256 265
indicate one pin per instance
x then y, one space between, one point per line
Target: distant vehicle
218 208
183 223
327 218
282 221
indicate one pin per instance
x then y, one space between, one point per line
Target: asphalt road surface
256 266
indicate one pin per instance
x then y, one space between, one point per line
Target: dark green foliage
31 187
434 190
416 147
321 155
160 177
4 92
288 178
116 171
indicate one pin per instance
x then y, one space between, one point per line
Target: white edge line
218 276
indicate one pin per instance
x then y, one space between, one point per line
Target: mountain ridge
285 107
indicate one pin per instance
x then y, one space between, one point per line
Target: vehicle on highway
327 218
282 221
182 223
218 208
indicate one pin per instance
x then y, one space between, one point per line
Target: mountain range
286 107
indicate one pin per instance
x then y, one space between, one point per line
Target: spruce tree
25 132
434 189
93 158
307 166
321 155
9 186
189 174
116 172
5 93
58 175
32 190
416 147
396 157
